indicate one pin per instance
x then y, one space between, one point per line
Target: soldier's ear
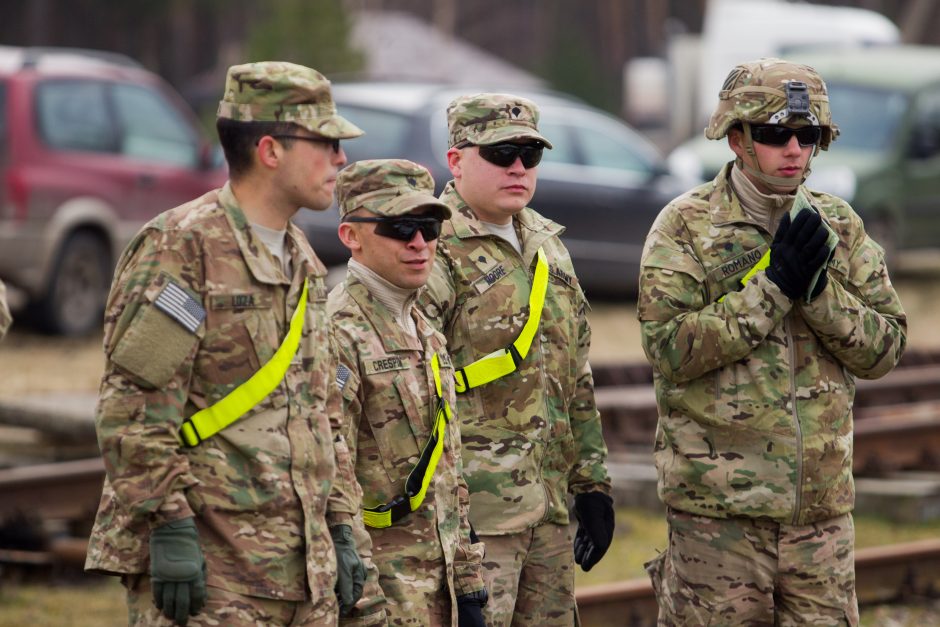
269 152
349 235
454 157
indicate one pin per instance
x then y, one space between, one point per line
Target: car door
162 148
602 182
921 206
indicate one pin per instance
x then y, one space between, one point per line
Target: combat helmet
773 91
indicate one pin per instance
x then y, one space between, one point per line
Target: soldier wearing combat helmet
761 301
230 496
397 382
506 295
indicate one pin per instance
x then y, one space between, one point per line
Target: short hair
239 139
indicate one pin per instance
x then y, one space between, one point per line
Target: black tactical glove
470 609
799 249
595 513
350 571
177 570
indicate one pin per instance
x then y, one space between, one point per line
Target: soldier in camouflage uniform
5 318
429 571
232 528
532 436
760 303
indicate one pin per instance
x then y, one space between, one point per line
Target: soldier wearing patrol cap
505 294
218 419
398 398
760 303
5 318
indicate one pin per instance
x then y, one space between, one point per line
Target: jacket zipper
796 423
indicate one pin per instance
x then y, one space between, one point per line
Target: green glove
350 571
177 570
818 282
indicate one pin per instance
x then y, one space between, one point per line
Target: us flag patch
176 302
342 376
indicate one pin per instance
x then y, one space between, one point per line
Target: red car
91 146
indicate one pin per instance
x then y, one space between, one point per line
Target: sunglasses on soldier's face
334 143
403 229
504 155
776 135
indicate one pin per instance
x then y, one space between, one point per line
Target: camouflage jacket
259 489
755 392
390 404
534 435
5 318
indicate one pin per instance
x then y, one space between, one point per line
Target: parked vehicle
91 146
886 161
603 181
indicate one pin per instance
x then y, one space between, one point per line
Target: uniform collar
261 263
533 228
382 319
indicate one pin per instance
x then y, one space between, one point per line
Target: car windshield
867 117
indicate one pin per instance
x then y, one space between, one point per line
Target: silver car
602 180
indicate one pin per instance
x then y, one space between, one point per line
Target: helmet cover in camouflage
387 187
277 91
756 93
486 119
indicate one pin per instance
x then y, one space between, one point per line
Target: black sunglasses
403 229
318 140
504 155
776 135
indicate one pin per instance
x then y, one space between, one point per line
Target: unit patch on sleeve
342 376
176 302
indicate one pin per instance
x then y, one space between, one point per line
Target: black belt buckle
399 507
514 353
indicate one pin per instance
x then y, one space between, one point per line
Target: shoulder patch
176 302
342 376
385 364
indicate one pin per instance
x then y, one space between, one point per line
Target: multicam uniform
5 318
262 490
755 391
533 436
390 405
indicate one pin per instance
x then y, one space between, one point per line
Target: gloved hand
470 609
595 514
350 571
799 249
177 570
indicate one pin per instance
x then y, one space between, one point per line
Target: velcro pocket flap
153 347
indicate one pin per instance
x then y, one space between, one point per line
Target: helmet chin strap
783 182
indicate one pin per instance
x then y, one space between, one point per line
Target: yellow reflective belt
416 487
761 264
501 362
205 423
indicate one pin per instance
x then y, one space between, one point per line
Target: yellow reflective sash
205 423
761 264
501 362
416 487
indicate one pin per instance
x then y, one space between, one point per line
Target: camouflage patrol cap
486 119
771 91
277 91
387 187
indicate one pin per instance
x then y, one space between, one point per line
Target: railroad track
897 417
887 574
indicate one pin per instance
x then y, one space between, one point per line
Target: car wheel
74 300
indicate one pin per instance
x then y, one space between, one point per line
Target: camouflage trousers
230 609
530 578
743 571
